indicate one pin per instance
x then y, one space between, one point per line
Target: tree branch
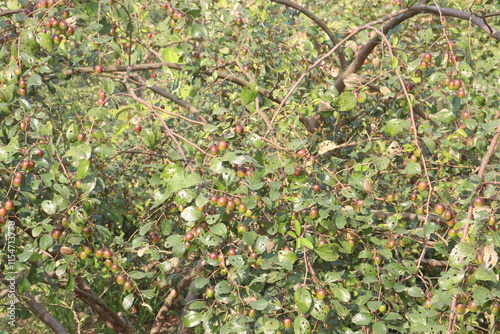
450 12
43 315
158 325
321 24
482 169
111 319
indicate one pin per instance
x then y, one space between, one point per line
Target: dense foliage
249 166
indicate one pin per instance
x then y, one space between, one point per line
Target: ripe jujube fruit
439 208
120 279
222 145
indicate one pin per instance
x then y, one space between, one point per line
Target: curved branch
110 318
321 24
410 216
11 12
480 174
412 11
450 12
43 315
161 317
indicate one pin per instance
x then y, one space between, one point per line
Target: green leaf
191 214
249 93
192 318
45 41
320 310
379 328
362 319
301 325
303 300
462 254
128 301
393 127
259 305
306 243
261 244
328 252
341 293
168 54
236 261
49 207
46 242
223 287
347 101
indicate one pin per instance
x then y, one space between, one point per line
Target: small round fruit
478 201
83 255
492 220
239 129
422 186
239 21
154 237
107 254
231 252
242 208
460 93
18 71
86 232
56 233
137 128
210 292
88 249
457 83
8 205
392 243
479 259
316 188
427 57
213 149
427 303
127 286
108 263
99 253
287 323
377 259
120 279
242 228
494 307
115 267
222 145
300 153
382 308
313 213
189 236
222 201
472 306
391 198
448 215
439 208
460 309
98 69
80 136
321 293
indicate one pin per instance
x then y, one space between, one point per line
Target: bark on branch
43 315
321 24
115 322
161 317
